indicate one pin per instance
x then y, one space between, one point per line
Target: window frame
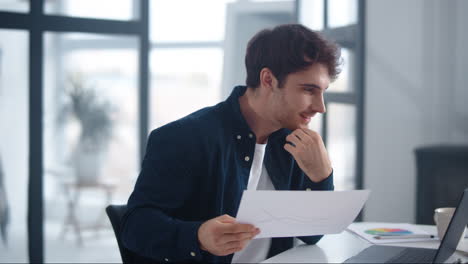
37 23
351 37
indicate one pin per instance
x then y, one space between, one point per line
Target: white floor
97 248
100 247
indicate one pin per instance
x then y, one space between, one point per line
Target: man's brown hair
287 49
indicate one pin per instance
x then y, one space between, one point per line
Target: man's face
300 98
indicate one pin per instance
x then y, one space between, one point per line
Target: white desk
338 248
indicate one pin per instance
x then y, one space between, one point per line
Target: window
13 145
121 9
341 13
180 21
195 59
342 126
182 83
186 57
108 62
14 6
90 139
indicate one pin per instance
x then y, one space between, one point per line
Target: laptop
390 254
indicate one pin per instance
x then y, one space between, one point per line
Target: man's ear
267 79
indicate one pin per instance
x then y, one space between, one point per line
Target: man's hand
309 153
222 236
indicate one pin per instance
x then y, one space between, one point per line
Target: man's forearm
151 233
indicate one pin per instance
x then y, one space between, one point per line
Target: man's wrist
198 238
323 176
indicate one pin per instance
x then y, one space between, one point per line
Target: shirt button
239 137
308 189
192 254
247 158
250 135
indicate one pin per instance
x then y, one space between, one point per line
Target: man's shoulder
205 117
201 122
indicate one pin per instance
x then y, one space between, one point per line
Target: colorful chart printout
388 232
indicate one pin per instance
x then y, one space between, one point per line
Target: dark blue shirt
196 169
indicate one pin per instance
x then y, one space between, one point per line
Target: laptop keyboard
413 255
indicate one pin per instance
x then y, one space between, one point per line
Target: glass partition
179 89
341 144
90 141
345 81
186 21
14 144
19 6
311 13
341 13
101 9
316 123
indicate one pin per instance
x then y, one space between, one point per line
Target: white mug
442 217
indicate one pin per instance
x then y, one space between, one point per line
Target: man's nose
318 105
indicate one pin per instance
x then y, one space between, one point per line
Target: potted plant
94 116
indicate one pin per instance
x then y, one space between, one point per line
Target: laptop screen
454 230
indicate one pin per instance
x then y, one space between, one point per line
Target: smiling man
195 169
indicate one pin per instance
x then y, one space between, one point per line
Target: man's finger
227 219
236 237
302 135
236 244
309 132
312 134
289 148
230 228
232 251
293 139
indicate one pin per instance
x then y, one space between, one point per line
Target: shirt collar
234 106
239 123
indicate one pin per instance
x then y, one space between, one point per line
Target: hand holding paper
300 213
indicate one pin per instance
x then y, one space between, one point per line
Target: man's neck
254 109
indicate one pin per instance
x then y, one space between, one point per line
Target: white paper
361 228
300 213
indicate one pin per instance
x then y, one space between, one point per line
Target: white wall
416 78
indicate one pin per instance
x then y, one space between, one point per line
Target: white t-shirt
257 249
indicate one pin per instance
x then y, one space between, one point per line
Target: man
196 168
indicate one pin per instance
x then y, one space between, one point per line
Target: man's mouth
306 118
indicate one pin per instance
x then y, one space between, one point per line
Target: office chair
116 213
442 174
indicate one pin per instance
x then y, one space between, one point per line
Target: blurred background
83 82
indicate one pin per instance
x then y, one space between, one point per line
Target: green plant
93 113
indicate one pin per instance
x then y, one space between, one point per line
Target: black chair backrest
442 174
115 214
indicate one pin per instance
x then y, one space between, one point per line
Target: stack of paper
383 233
